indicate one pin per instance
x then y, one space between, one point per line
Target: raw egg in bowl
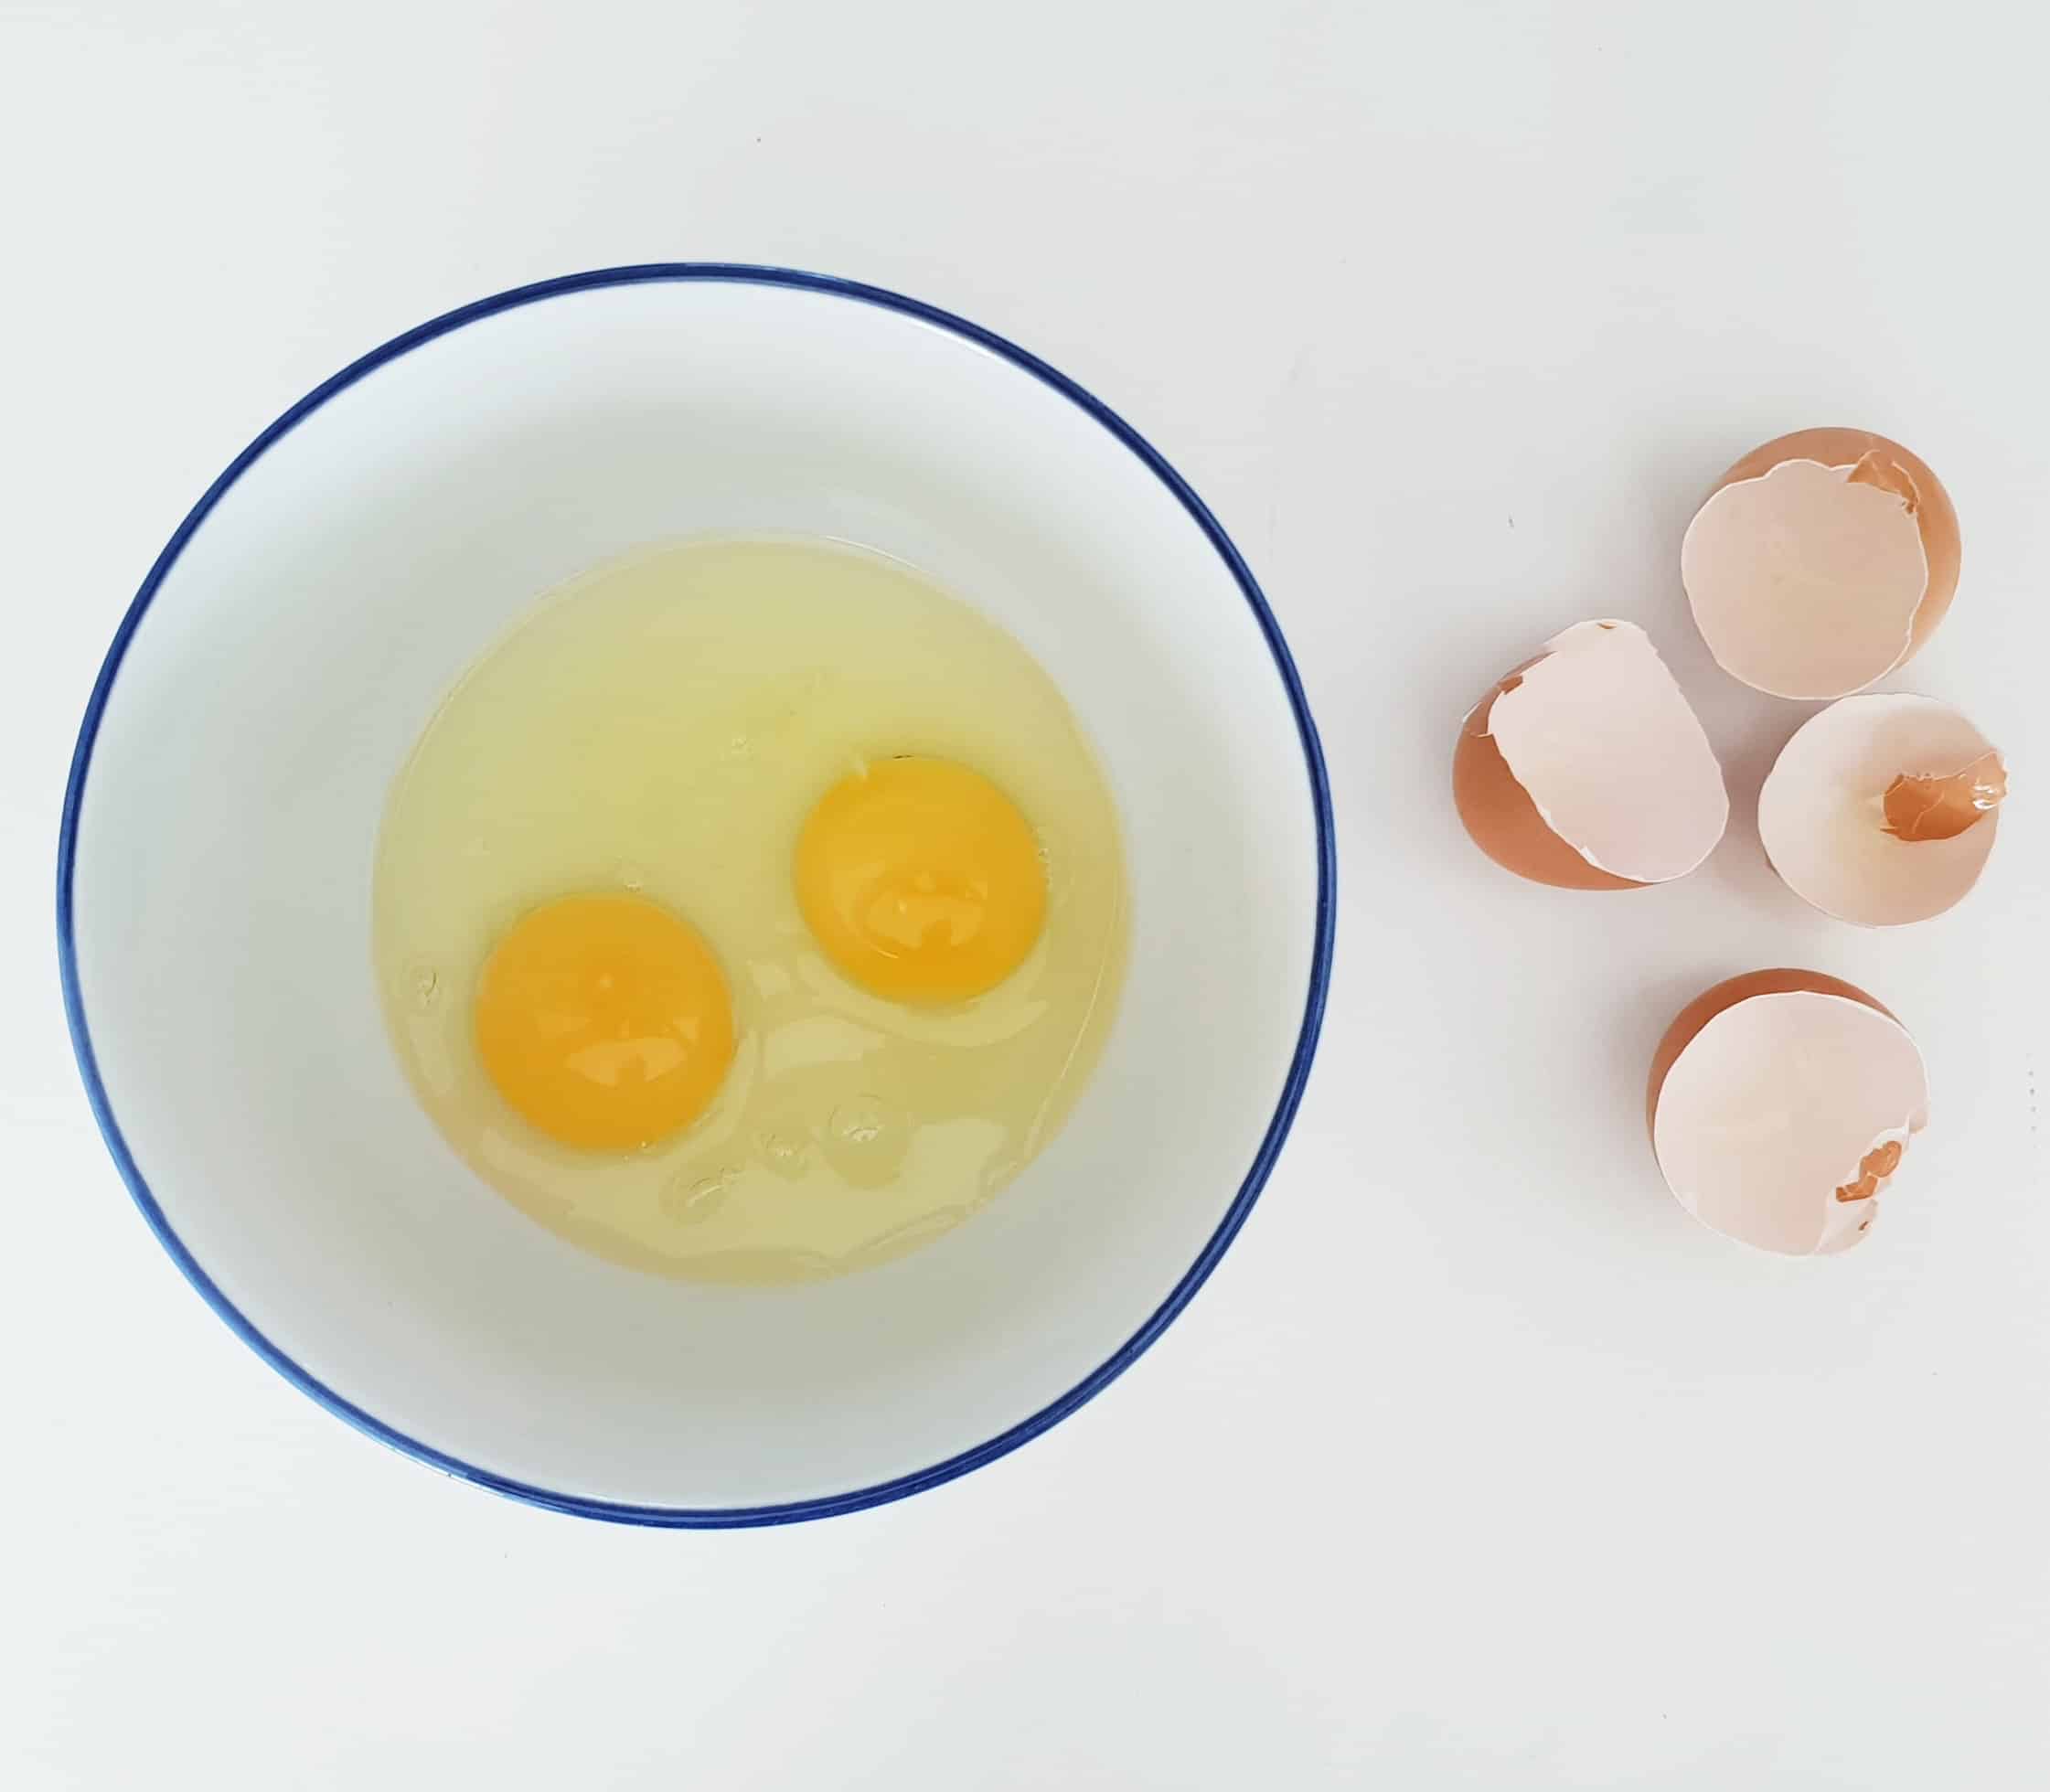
699 895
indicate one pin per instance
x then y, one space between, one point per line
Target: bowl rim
1184 1289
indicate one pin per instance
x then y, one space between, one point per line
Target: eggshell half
1823 811
1782 1103
1587 769
1821 562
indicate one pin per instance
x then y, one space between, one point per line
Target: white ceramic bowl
282 657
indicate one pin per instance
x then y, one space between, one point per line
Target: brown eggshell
1893 468
1498 811
1935 515
1828 809
1710 1003
1781 1104
1587 769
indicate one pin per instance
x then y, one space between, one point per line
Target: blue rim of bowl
712 1518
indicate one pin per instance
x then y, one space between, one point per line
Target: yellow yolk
920 881
604 1021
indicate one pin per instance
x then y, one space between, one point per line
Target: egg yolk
920 879
605 1020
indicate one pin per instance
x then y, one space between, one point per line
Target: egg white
664 725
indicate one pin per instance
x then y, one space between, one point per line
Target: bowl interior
288 661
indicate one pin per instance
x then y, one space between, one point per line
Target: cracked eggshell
1586 768
1881 809
1821 562
1782 1103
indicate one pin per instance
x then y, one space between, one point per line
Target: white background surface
1477 1463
